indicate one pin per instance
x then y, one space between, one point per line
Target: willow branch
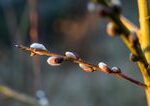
145 38
81 61
129 24
125 29
145 27
136 49
18 96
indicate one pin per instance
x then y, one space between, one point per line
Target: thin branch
125 36
129 24
18 96
80 61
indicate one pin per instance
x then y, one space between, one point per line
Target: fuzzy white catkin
86 68
71 55
38 46
115 69
102 65
52 61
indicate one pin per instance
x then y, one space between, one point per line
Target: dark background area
66 25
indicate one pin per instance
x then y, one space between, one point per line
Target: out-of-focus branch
18 96
103 68
125 29
144 27
145 38
125 36
33 19
129 24
33 32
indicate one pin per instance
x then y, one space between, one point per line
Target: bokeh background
65 25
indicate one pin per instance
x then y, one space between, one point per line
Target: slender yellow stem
131 26
18 96
144 27
128 24
145 38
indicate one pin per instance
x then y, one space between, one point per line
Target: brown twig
33 32
81 61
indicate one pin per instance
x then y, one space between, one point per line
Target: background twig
18 96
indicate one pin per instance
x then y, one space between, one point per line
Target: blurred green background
65 25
